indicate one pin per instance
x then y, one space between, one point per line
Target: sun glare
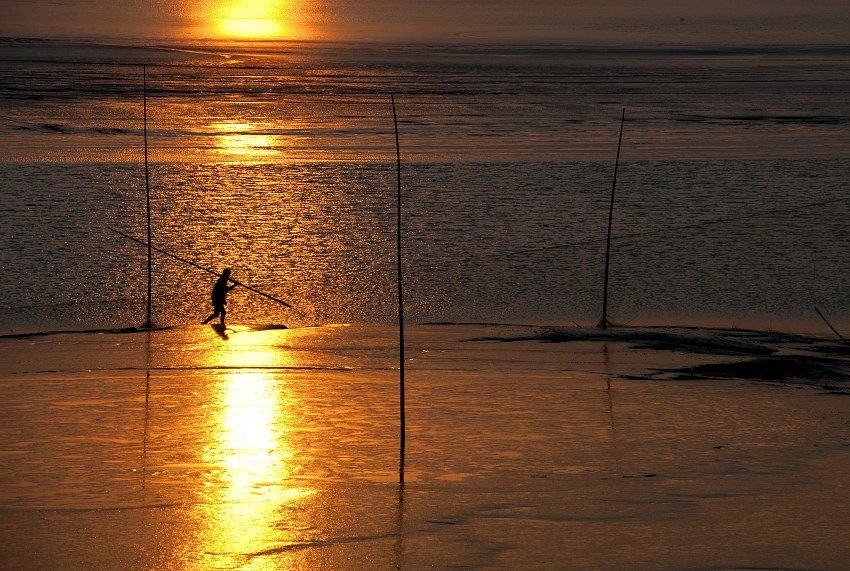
250 28
252 19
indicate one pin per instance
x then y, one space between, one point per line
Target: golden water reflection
253 455
239 139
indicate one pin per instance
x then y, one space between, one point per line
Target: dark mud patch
832 375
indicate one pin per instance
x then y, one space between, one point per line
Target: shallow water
279 161
179 449
260 447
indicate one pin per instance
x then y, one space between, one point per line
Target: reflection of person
219 296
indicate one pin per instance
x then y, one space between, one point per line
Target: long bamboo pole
149 321
193 264
603 323
402 436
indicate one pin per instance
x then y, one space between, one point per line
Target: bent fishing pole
193 264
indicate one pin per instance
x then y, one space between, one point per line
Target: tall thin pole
603 323
149 321
400 299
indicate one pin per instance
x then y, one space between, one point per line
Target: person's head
226 272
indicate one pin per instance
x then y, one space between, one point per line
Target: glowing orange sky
619 21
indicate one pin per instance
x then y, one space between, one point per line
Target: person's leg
223 313
212 316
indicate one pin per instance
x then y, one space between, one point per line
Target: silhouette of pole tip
830 324
193 264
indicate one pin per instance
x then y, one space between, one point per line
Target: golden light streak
237 139
251 448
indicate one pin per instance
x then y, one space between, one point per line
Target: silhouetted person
219 296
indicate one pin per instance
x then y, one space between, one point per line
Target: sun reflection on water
239 140
253 453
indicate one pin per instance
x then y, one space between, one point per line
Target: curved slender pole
603 323
400 299
149 321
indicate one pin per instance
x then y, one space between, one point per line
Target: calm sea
279 161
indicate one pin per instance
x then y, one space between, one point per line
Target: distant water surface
279 161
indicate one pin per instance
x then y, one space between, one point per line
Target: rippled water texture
279 161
